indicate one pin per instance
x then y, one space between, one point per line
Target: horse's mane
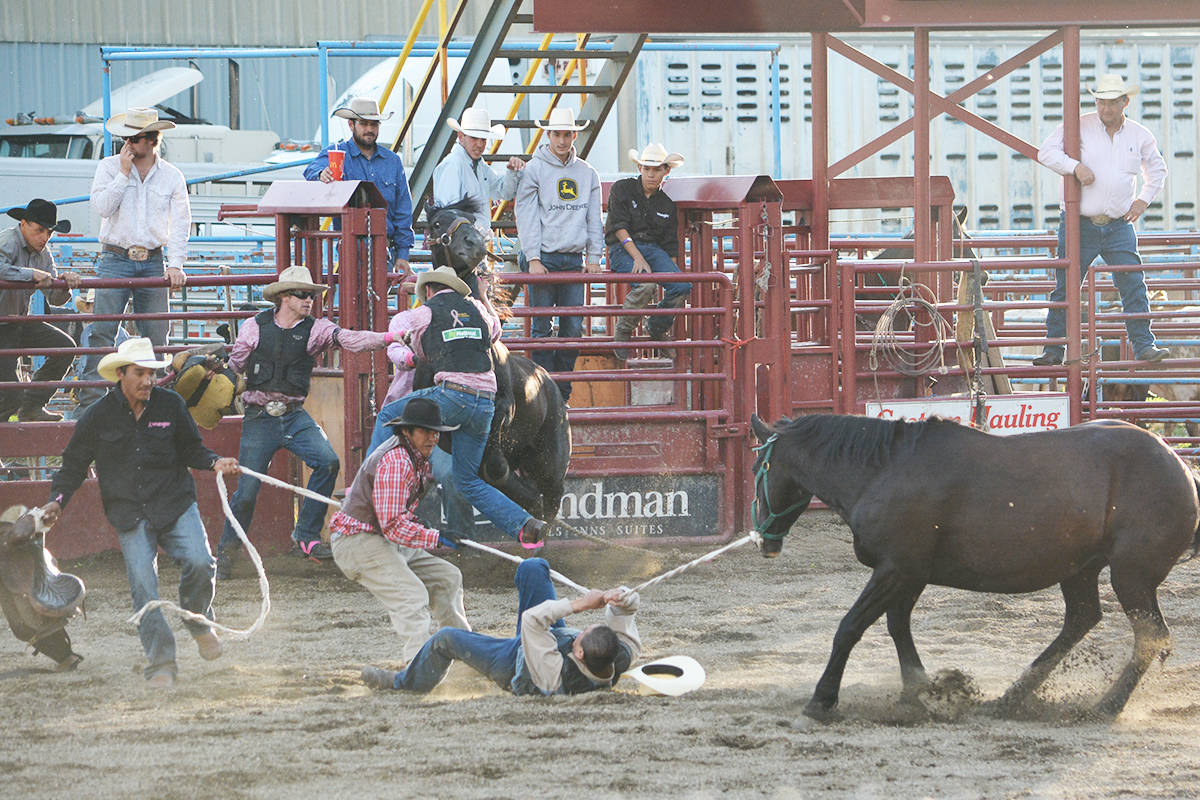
466 207
859 440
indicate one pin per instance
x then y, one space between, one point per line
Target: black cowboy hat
421 412
44 213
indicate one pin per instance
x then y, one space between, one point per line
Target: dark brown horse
937 503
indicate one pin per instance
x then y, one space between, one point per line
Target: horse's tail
1196 537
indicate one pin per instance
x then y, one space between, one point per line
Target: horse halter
760 478
445 238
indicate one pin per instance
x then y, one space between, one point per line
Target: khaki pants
415 587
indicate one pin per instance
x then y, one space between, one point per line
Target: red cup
336 159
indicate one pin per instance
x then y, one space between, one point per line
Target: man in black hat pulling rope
378 541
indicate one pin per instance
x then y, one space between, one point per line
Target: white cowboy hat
477 122
445 276
290 279
133 121
138 351
655 155
1109 86
562 119
363 108
672 676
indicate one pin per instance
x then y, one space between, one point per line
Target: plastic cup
336 159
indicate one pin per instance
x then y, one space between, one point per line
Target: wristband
388 338
626 241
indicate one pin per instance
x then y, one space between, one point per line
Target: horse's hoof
771 548
820 712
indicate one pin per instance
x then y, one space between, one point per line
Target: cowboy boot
640 297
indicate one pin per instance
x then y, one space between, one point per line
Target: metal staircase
597 99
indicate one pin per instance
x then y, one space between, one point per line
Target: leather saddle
27 569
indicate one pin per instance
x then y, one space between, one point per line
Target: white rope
750 537
263 586
558 576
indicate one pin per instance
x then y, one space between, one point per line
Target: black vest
281 362
457 339
573 681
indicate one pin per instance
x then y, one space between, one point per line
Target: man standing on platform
464 173
143 205
277 350
1113 151
365 160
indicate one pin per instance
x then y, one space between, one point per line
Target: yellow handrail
408 46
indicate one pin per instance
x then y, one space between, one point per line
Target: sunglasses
149 137
303 295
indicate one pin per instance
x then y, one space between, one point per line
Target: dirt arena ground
284 714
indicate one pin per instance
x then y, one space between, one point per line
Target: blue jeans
187 543
473 415
674 294
494 657
569 327
262 437
146 299
1116 243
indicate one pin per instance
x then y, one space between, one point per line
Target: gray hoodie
558 207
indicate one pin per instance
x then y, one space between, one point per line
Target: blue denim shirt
386 171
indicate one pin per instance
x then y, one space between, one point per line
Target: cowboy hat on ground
562 119
477 122
362 108
134 121
445 276
44 213
655 155
138 351
1110 86
672 676
421 412
292 279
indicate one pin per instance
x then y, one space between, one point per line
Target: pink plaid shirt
395 480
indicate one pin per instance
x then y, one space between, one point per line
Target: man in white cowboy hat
25 257
545 657
143 205
642 234
1113 150
454 332
143 441
378 541
464 173
367 161
558 223
276 350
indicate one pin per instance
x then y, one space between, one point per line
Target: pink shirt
324 335
408 326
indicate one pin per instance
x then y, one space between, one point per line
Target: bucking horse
530 442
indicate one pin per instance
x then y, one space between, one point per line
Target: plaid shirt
395 479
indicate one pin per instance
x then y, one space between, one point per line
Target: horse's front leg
899 619
880 594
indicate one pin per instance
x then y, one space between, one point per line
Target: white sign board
1006 414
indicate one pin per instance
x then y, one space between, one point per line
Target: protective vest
457 339
360 498
281 362
573 680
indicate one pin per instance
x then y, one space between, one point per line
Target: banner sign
1006 414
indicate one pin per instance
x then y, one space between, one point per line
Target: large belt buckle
138 253
1100 220
276 408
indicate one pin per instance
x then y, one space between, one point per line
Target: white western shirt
151 213
1116 160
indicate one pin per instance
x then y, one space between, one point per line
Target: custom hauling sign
1005 414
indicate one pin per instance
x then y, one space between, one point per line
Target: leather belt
458 387
135 253
1100 220
276 408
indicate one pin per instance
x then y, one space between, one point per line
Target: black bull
530 442
936 503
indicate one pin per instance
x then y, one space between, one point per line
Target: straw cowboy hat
44 213
445 276
421 412
562 119
291 279
136 120
1110 86
672 676
477 122
362 108
655 155
138 351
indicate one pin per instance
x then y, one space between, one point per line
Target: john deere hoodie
558 207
